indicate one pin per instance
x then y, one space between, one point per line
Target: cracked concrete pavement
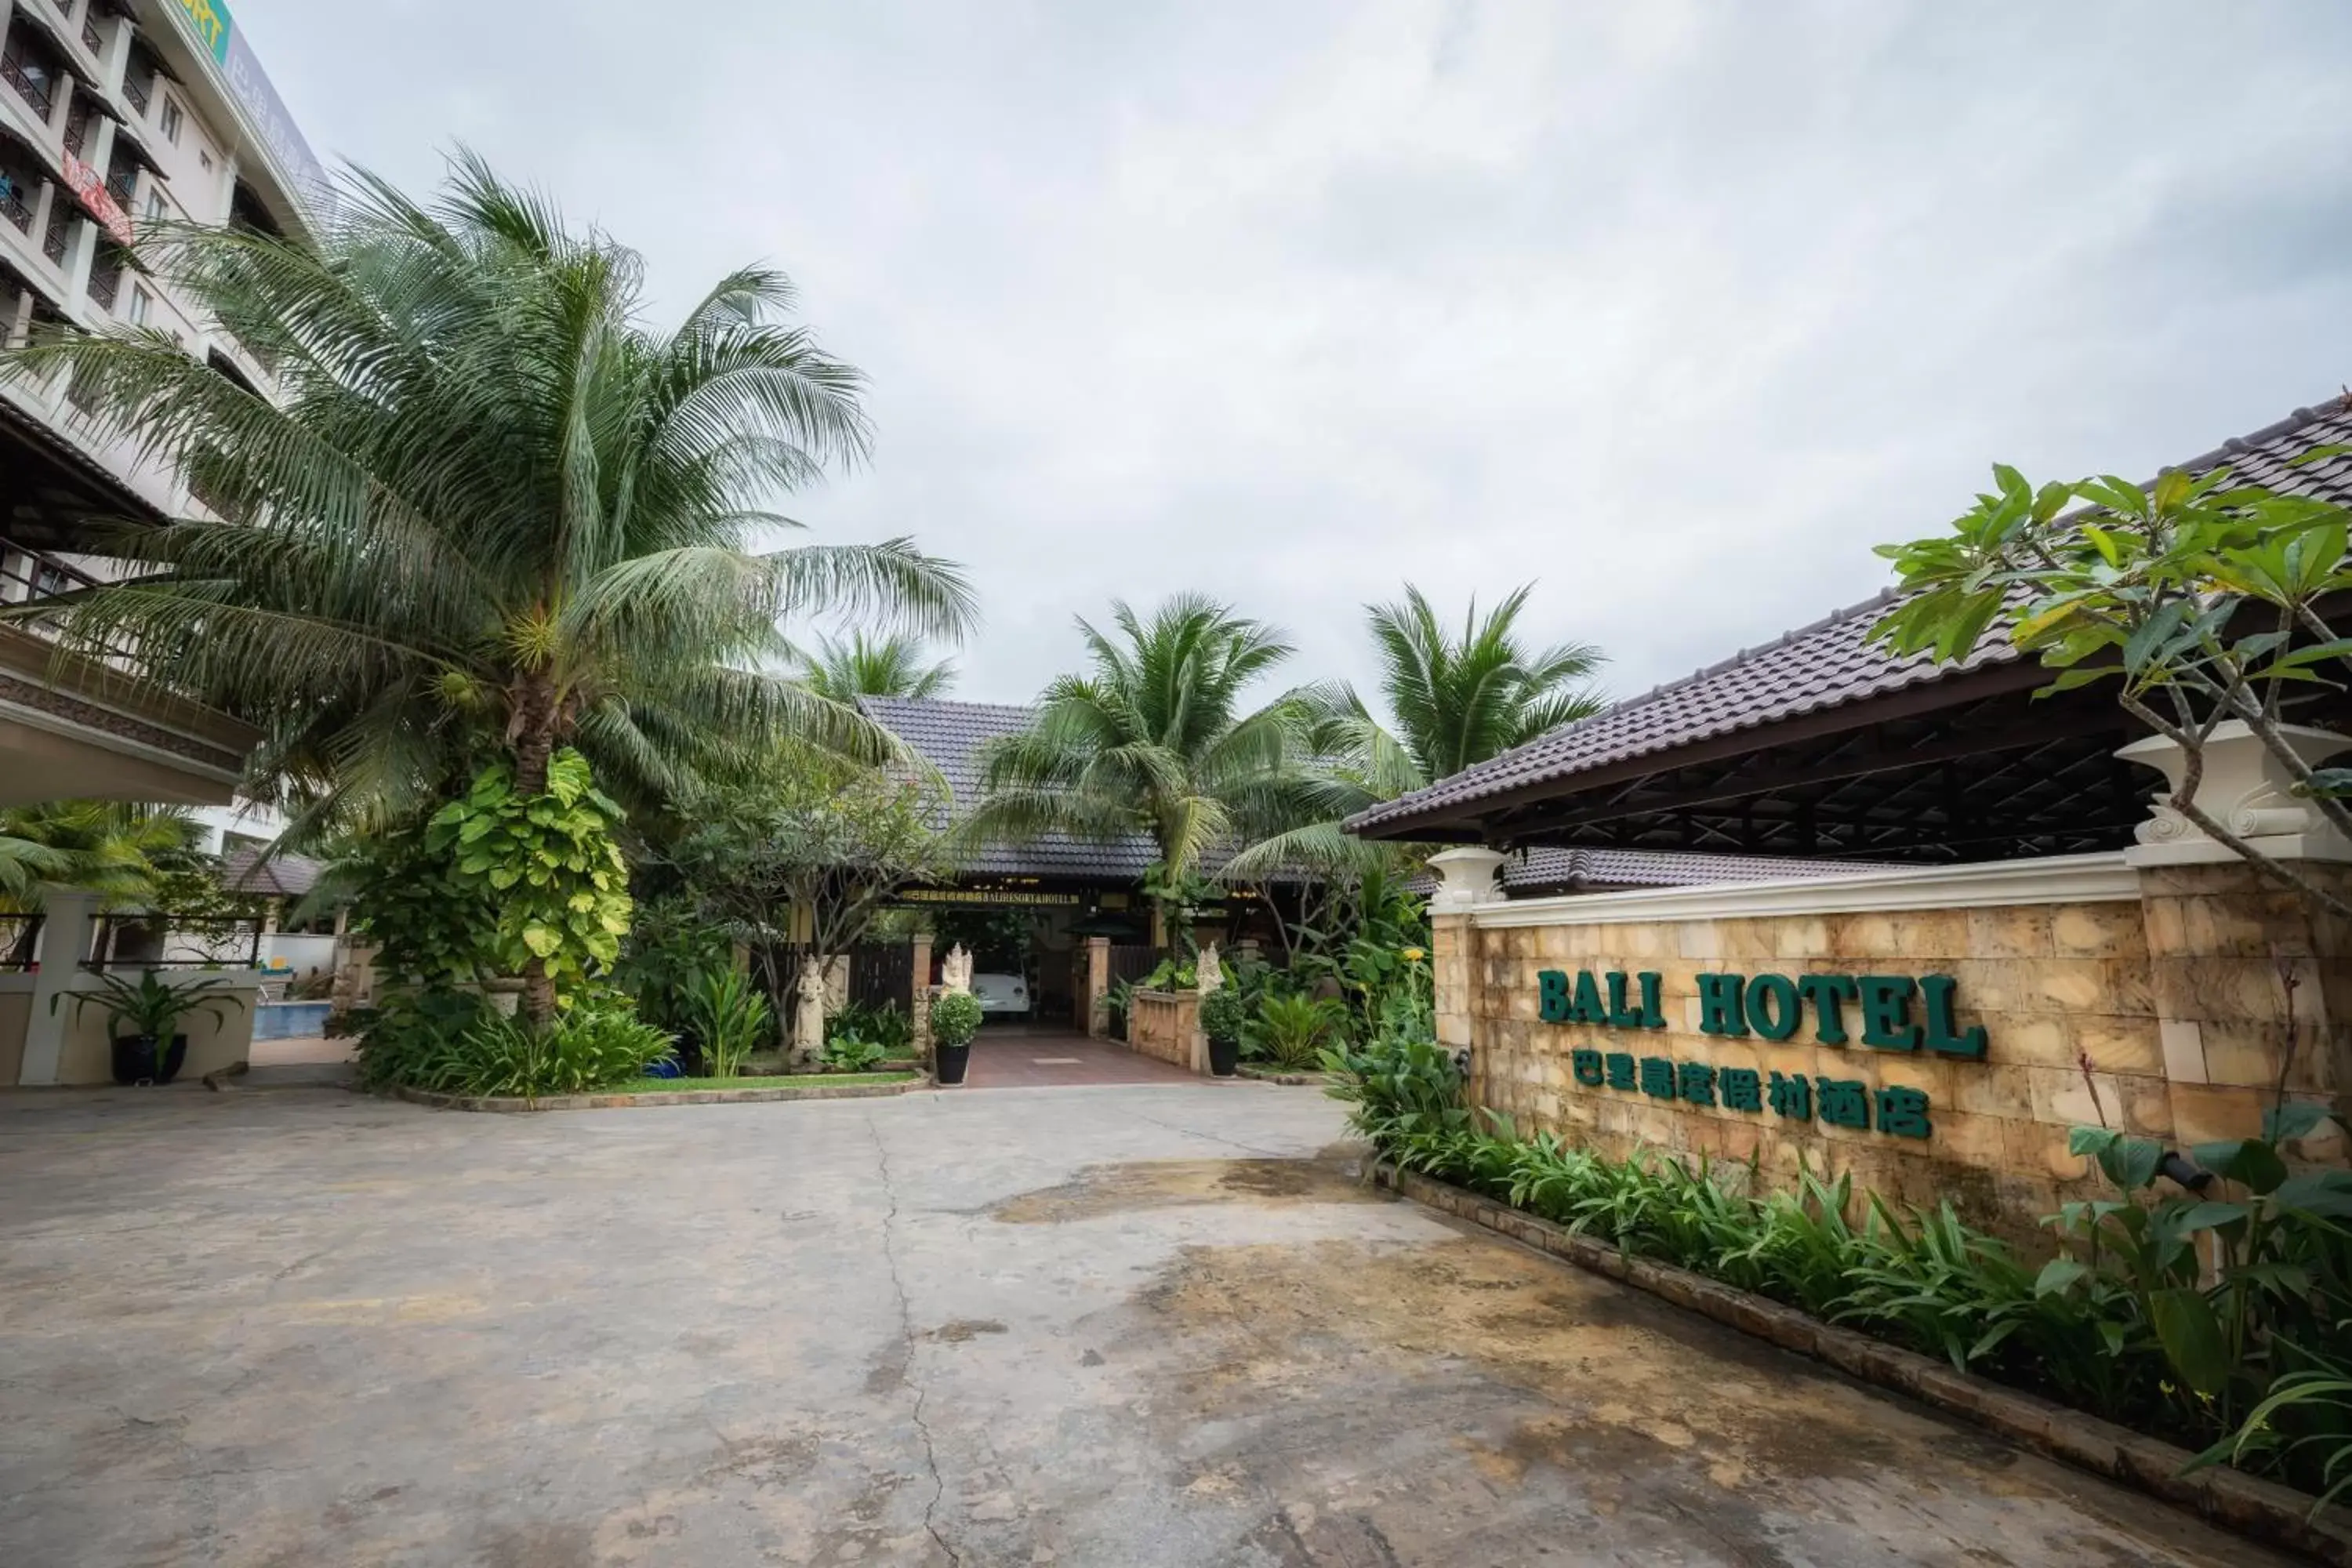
1133 1325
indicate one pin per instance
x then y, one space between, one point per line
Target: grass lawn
774 1080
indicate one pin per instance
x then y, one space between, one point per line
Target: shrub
453 1043
1224 1015
729 1015
413 1037
2236 1339
849 1053
886 1025
1292 1030
955 1018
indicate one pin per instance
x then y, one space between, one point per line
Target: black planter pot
134 1058
949 1062
1224 1056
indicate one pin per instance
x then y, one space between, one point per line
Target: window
169 121
204 160
141 303
156 213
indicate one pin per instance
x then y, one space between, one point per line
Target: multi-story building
115 114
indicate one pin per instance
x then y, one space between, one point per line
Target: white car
1001 994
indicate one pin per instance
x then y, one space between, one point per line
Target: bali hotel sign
1880 1011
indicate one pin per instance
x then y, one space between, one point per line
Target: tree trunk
534 744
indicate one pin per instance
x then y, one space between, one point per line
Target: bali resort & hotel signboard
1873 1011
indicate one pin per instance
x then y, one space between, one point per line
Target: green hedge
2250 1358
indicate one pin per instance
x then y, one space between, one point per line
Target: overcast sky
1676 308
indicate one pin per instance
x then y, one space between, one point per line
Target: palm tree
1153 739
490 513
887 666
1453 701
115 850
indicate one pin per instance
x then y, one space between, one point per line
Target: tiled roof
951 737
1547 867
1823 666
283 877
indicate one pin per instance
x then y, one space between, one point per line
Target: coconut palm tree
1453 701
1154 738
116 850
886 666
491 510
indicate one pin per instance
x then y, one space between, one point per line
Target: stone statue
808 1013
955 970
1209 976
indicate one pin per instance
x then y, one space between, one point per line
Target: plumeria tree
2198 600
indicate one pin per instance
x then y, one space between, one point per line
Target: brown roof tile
1826 665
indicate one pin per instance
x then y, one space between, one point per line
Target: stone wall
1166 1025
2148 999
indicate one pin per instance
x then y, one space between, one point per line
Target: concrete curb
503 1106
1288 1079
2262 1509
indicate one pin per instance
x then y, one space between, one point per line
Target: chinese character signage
215 32
1882 1012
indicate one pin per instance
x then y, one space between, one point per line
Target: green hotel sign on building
1879 1012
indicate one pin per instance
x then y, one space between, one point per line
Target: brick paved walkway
1028 1056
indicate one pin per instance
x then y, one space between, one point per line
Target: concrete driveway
1148 1325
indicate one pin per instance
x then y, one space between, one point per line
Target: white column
2244 788
65 920
1467 878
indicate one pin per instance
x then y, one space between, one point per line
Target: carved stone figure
1209 975
808 1013
955 969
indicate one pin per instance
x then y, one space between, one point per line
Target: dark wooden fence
882 974
1131 961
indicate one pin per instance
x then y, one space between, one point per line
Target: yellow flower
1412 955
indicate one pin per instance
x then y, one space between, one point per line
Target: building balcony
14 207
35 82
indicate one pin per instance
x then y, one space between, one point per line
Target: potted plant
955 1019
1224 1015
147 1045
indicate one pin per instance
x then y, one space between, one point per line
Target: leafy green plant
670 946
955 1018
548 862
413 1036
730 1018
1172 974
591 1045
1224 1015
1118 1002
1292 1030
2200 1315
849 1053
153 1005
886 1025
431 927
2201 599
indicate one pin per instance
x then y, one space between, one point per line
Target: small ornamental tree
2202 601
556 881
808 831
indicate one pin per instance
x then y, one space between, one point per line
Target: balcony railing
103 285
54 243
20 939
161 941
135 89
89 38
122 184
78 127
27 575
30 80
14 207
